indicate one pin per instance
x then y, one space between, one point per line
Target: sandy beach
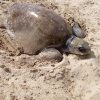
74 78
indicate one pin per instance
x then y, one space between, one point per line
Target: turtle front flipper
50 54
77 31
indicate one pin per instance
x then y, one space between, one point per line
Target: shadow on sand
89 56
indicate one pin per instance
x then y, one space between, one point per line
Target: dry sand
74 78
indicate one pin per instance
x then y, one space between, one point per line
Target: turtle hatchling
34 28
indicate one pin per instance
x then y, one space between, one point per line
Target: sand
74 78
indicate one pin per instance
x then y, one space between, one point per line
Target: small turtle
34 28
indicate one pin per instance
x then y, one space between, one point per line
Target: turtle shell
35 27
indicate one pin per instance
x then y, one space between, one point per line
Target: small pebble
8 70
2 66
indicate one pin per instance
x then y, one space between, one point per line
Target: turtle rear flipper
9 44
8 41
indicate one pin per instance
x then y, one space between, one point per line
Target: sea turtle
34 28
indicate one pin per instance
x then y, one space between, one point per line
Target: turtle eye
82 49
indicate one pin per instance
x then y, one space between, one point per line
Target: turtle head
76 45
